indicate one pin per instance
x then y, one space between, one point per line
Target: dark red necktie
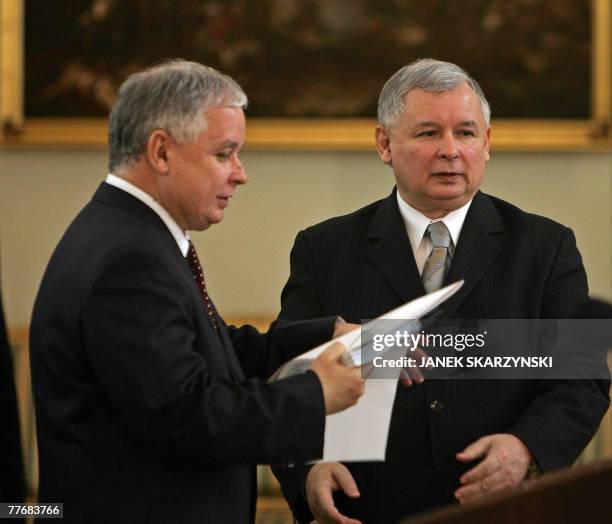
198 276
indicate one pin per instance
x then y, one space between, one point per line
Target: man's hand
341 327
409 375
321 482
413 374
342 385
505 463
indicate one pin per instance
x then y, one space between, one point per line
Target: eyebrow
229 144
427 123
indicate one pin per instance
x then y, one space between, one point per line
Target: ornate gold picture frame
587 132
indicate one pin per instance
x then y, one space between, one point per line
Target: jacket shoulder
358 220
514 217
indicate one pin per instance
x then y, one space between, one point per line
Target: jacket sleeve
141 340
299 300
565 413
262 354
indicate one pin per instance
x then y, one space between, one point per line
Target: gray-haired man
148 409
449 440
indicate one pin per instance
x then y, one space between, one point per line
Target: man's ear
383 146
488 143
157 151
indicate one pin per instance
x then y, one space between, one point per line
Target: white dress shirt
416 223
181 237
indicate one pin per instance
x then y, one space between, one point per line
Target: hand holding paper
342 385
367 422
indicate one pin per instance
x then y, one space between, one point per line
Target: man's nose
239 175
448 147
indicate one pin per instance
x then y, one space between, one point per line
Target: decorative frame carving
305 134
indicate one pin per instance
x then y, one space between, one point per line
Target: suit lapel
479 244
390 250
118 198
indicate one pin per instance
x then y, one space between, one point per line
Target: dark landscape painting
311 58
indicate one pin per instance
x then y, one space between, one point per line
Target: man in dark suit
11 462
148 406
449 440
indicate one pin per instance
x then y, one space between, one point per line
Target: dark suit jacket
515 265
11 464
144 413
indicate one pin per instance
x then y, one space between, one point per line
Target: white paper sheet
360 433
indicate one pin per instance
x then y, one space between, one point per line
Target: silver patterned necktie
439 259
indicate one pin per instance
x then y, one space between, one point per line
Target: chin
204 222
215 218
449 196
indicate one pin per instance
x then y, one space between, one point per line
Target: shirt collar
416 222
181 237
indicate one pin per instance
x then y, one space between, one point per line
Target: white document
360 433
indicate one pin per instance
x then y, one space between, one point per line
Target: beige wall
247 257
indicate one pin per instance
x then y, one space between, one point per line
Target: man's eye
223 156
467 132
426 133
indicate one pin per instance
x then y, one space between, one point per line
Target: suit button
436 406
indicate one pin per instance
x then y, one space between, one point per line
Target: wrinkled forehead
461 103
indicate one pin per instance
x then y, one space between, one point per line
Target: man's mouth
447 176
223 200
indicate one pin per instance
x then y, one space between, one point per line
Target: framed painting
312 68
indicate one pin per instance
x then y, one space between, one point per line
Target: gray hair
171 96
429 75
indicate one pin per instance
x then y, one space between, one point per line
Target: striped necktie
438 262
